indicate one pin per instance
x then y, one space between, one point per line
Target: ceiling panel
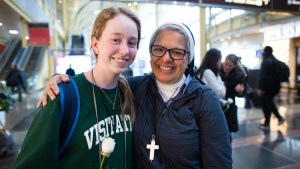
10 20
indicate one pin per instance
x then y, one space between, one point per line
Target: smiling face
116 48
228 65
165 69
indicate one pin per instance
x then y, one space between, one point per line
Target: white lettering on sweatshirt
106 128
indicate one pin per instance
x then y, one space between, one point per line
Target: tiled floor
278 148
252 148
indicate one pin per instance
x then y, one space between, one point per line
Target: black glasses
175 54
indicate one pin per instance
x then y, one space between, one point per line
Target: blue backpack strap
70 108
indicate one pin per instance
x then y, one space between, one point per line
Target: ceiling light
96 12
1 24
26 37
14 32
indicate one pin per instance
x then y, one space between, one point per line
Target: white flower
108 146
229 100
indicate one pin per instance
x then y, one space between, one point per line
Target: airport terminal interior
44 37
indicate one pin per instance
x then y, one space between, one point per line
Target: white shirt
214 82
168 91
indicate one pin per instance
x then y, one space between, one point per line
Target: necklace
113 103
172 95
123 119
153 146
96 112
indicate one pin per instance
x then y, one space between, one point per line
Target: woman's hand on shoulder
51 88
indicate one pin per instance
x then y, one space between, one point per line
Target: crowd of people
169 118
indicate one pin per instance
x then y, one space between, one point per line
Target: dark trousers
13 90
268 105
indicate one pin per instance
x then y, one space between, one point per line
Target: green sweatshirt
40 147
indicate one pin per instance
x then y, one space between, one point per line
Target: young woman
104 111
209 72
179 122
234 81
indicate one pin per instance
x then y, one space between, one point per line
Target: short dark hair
268 50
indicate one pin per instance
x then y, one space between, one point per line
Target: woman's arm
214 134
41 144
215 82
51 89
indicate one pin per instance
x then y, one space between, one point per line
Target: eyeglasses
175 54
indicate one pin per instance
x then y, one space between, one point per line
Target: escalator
13 49
23 59
34 66
33 61
28 60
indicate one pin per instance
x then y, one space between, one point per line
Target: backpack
70 108
281 71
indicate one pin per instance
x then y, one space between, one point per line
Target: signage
287 5
39 34
285 31
2 47
270 5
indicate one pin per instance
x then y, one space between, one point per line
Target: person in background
179 121
268 88
106 104
209 69
234 81
70 71
14 80
23 75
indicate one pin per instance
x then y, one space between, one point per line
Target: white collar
168 91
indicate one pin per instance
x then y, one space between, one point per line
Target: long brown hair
105 15
210 62
128 104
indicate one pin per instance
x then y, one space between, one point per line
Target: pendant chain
96 111
172 94
113 103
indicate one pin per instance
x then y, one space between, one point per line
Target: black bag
281 71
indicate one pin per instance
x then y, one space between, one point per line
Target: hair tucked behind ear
128 106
